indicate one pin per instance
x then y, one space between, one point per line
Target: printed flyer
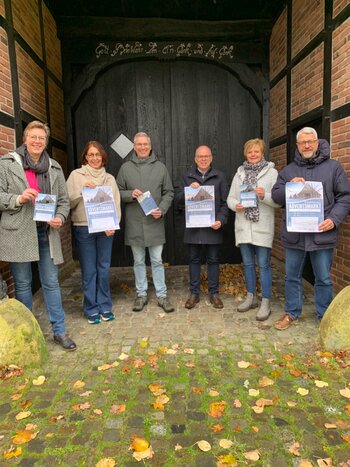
304 206
100 209
200 206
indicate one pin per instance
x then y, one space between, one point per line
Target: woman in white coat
250 198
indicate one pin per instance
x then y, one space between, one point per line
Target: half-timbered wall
310 86
31 84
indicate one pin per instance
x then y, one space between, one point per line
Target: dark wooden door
181 105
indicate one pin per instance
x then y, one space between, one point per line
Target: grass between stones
83 413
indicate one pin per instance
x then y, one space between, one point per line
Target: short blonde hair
37 124
252 142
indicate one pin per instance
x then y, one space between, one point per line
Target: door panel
181 104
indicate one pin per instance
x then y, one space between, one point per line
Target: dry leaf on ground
22 415
321 384
345 392
253 392
12 452
225 443
147 454
227 461
39 381
243 364
118 408
303 391
325 462
78 384
216 408
106 462
203 445
213 393
294 449
252 455
265 381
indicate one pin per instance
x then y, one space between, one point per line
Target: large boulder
21 340
335 324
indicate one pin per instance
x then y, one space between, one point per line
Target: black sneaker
94 319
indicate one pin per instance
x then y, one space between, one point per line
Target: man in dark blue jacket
208 238
312 162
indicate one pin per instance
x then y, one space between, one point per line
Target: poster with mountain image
304 206
200 206
100 209
44 207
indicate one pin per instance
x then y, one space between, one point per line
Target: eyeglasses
96 156
307 143
139 145
37 138
203 157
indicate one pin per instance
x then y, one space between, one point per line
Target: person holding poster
144 174
24 173
312 162
250 198
208 237
94 248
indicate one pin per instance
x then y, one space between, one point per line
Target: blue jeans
48 273
213 262
321 261
95 253
158 274
248 253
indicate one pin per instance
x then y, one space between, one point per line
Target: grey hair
37 124
142 134
307 130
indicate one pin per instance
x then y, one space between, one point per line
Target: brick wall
307 22
278 45
338 6
307 88
6 100
278 111
307 83
32 76
341 65
26 22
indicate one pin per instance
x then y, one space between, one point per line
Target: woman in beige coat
94 249
250 198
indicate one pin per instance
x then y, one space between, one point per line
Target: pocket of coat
10 221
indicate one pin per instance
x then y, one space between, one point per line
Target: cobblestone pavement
188 354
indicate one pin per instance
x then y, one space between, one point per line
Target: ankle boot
249 302
264 310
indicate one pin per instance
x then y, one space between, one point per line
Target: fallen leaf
84 406
190 365
162 399
257 409
118 408
237 403
325 462
147 454
106 462
49 435
320 384
123 356
25 404
243 364
252 455
197 390
330 425
98 411
305 463
107 366
39 381
203 445
264 402
23 436
225 443
217 428
12 452
342 425
213 393
294 449
345 392
237 428
85 394
78 384
15 397
265 381
291 403
254 392
190 351
156 389
295 372
255 429
178 447
22 415
303 391
227 460
139 444
171 352
216 409
139 363
346 438
287 357
158 406
55 418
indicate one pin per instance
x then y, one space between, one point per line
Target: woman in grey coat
23 174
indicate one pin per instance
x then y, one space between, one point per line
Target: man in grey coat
143 173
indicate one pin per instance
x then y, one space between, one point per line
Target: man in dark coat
312 162
208 238
142 173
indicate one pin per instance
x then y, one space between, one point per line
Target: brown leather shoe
284 322
191 301
216 301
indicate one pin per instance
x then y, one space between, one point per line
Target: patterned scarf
251 177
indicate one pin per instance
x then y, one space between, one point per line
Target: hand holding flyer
147 203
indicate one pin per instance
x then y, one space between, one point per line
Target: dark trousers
212 255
